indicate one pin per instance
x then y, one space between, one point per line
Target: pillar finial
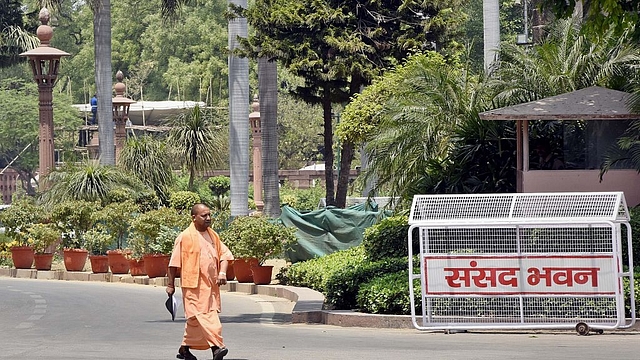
44 31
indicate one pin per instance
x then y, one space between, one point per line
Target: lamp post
121 106
256 130
45 63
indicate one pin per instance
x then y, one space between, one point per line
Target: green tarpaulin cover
324 231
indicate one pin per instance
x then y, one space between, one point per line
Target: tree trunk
328 149
25 179
346 157
268 90
491 27
238 117
102 46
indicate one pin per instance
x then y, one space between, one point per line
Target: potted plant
115 218
97 243
16 219
258 238
44 237
74 219
151 243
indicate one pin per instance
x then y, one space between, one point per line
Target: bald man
203 260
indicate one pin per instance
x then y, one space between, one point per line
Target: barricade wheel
582 329
600 331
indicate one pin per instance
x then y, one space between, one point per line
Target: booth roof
593 103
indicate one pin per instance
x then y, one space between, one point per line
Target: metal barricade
521 261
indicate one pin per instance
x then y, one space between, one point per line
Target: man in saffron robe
203 260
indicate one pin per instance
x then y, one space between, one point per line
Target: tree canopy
338 48
600 16
19 127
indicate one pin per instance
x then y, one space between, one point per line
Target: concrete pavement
307 309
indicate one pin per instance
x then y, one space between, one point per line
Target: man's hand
170 290
222 279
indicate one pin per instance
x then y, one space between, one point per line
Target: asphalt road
58 320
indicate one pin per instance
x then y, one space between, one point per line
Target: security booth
577 130
521 261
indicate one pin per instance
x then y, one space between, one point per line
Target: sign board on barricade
540 261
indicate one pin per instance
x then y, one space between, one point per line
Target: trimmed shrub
219 185
388 294
388 238
636 291
343 285
183 200
301 199
315 273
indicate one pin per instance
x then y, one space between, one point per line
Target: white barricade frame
521 261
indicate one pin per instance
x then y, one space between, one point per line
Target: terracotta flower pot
155 265
22 257
118 263
242 269
43 261
231 274
99 264
136 267
74 259
262 274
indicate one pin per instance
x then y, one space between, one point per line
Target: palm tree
238 115
268 77
89 181
102 47
238 107
197 141
148 159
417 121
564 61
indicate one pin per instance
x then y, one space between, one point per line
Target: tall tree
599 15
565 60
238 115
238 107
104 81
197 140
268 79
408 119
19 128
338 48
14 39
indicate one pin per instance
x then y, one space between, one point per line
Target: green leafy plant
388 238
316 272
116 219
183 200
163 243
74 218
344 284
43 235
301 199
387 294
257 237
146 228
219 185
97 241
18 217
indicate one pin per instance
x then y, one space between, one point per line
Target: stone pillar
256 131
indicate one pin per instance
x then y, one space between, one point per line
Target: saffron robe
201 303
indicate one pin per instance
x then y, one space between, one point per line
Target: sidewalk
308 303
